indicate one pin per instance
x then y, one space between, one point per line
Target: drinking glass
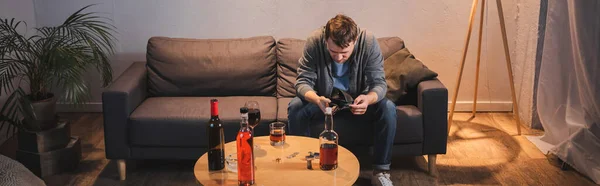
277 133
253 114
231 162
253 117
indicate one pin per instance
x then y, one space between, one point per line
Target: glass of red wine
253 118
253 114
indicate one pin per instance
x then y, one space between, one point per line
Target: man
344 57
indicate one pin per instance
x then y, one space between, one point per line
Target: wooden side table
288 171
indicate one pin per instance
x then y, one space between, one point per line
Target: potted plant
56 56
53 57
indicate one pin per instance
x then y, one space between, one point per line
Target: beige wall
433 30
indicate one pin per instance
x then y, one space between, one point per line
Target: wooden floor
482 151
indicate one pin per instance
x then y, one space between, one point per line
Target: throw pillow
404 72
13 172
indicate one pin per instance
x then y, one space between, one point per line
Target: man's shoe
381 179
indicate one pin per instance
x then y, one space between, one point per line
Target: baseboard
461 106
88 107
486 106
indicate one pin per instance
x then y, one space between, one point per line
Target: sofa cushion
404 72
389 45
289 52
181 121
211 67
282 109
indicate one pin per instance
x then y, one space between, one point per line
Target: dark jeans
382 114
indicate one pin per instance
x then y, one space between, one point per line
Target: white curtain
568 101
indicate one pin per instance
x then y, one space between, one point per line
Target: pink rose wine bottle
245 155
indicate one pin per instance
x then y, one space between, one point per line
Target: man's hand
359 107
321 101
361 103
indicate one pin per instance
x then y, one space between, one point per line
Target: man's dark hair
342 30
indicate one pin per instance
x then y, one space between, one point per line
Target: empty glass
231 162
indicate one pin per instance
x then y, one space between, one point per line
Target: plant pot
45 112
47 140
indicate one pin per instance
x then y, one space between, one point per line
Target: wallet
340 99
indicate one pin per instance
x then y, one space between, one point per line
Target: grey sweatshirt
366 67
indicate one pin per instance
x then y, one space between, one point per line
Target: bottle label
214 107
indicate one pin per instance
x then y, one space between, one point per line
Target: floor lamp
462 65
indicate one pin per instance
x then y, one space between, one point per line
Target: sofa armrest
433 103
118 102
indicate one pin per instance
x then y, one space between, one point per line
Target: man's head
340 34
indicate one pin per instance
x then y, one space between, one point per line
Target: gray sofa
158 109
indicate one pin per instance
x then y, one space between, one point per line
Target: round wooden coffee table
288 171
